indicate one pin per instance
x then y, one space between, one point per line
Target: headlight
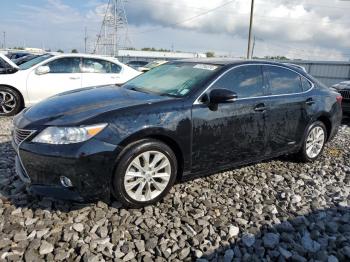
68 135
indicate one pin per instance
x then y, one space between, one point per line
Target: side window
65 65
246 81
115 69
92 65
283 81
305 84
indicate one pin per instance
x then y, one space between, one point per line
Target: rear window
283 81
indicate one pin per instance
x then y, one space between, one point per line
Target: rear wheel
314 142
10 101
145 173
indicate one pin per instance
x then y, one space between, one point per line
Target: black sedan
344 89
181 120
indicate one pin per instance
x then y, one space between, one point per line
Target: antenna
113 34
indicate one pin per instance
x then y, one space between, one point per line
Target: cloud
296 28
294 22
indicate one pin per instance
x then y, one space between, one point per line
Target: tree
210 54
60 51
276 57
74 51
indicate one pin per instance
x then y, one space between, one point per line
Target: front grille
345 94
19 135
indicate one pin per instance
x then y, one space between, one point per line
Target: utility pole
252 56
250 30
85 39
4 43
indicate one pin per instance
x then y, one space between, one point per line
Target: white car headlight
68 135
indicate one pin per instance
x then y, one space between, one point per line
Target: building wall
329 73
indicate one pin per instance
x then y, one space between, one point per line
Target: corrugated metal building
327 72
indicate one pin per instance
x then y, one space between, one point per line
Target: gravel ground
277 210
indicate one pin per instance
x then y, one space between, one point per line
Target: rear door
64 75
233 132
288 108
98 72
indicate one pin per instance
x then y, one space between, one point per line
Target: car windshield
172 79
152 64
34 61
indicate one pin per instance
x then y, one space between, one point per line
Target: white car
48 75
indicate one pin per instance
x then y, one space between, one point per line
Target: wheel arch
163 137
15 89
327 122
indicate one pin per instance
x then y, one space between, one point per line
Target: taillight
339 99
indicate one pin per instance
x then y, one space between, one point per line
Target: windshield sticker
205 67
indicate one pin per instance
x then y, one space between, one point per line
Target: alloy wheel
147 176
7 102
315 141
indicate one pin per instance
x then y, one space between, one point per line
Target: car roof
82 55
235 62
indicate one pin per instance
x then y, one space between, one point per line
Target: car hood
342 85
77 106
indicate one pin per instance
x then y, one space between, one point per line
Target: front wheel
314 142
145 173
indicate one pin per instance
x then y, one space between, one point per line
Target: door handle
309 101
115 77
260 108
74 77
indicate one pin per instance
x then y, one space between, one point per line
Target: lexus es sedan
180 120
344 89
48 75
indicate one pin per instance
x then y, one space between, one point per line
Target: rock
271 240
233 231
129 256
248 239
20 236
140 245
45 248
332 258
285 253
296 199
184 253
309 244
79 227
228 255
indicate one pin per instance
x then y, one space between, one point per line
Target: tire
137 182
10 101
309 153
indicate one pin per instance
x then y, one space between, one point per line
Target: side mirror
219 96
42 70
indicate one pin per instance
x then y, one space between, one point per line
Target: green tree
60 51
210 54
74 51
277 57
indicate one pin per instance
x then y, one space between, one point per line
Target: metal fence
329 73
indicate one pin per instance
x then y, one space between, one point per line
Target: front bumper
89 165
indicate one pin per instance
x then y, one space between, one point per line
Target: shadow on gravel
346 121
322 235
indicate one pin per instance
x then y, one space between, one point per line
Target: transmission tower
113 34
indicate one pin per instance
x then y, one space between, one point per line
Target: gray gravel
276 210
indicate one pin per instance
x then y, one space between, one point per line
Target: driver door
64 75
233 132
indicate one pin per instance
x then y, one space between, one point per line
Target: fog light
65 181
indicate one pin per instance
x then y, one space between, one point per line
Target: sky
300 29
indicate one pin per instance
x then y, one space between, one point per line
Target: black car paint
205 140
